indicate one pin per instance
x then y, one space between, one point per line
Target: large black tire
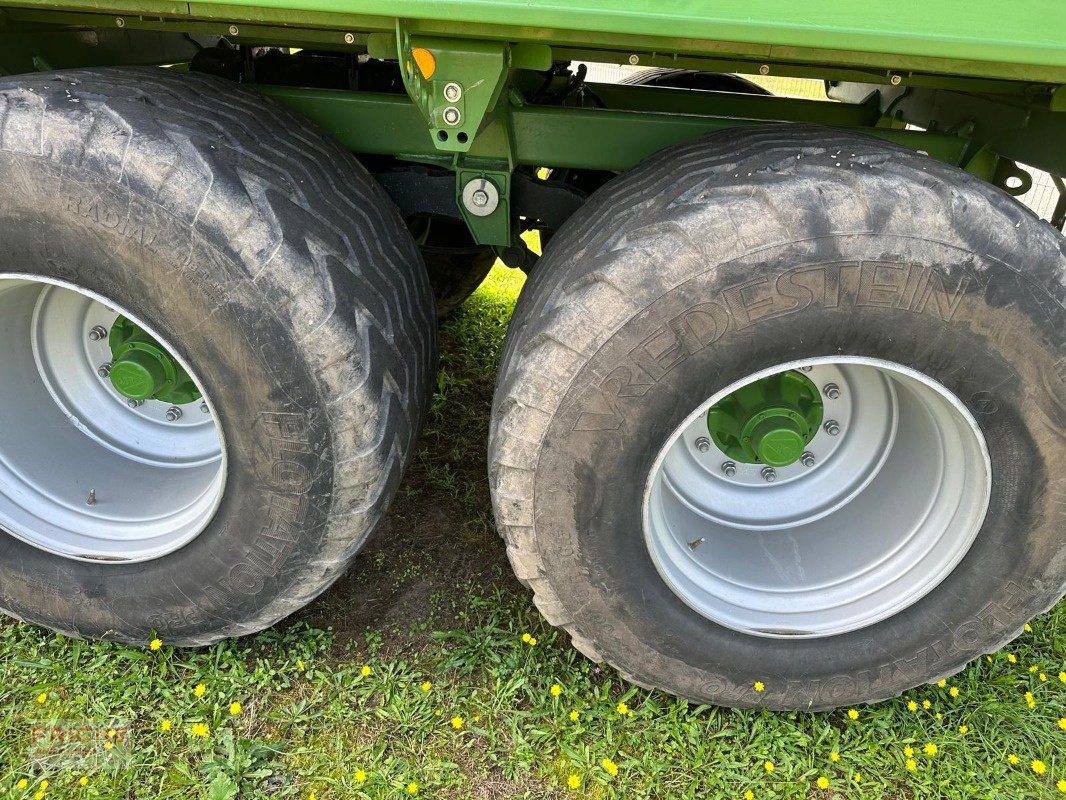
721 257
280 270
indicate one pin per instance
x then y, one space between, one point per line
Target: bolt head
832 427
104 370
349 38
119 22
233 30
805 369
134 403
729 469
807 459
764 69
703 444
896 80
831 390
173 414
97 332
451 115
634 59
452 92
769 474
204 408
480 198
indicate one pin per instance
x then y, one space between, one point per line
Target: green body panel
1025 40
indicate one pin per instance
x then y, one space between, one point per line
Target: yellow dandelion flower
526 637
857 777
426 686
749 795
155 644
834 756
1062 723
573 781
853 714
360 776
44 785
83 780
457 722
926 705
532 641
235 708
1038 766
1061 786
574 716
1027 628
954 691
311 796
1012 658
200 729
109 745
768 766
199 690
1042 677
39 796
908 751
556 690
823 782
759 686
911 765
1033 668
22 784
412 788
609 766
1030 700
622 709
1013 759
942 683
1062 677
164 725
930 749
300 665
366 671
912 705
938 715
42 698
964 729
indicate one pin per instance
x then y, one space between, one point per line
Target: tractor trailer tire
781 420
218 350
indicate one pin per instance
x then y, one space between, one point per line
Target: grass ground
427 670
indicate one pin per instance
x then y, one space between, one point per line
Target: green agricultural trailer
784 396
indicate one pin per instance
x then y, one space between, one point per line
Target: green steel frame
988 87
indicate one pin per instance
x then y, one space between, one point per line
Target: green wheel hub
770 421
142 369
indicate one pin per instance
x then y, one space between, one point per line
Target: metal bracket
484 198
455 83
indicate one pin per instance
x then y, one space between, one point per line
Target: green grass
432 599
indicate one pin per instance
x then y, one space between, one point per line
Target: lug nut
134 403
703 444
769 474
807 459
729 469
204 408
104 370
805 369
832 427
451 115
452 92
173 414
97 332
831 390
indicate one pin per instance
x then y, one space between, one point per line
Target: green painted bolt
138 375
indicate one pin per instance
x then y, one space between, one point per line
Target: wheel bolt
104 370
703 444
134 403
832 427
807 459
204 408
769 474
173 414
97 332
831 390
729 469
805 369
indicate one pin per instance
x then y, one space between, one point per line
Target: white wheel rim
82 473
890 506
